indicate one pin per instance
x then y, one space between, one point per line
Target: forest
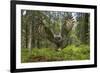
54 36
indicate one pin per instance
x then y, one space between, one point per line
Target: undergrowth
71 52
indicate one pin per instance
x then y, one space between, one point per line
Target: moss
71 52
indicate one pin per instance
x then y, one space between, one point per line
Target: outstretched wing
49 34
66 28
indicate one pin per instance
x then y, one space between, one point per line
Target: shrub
71 52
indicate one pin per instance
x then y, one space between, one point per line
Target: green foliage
76 53
83 27
24 55
44 32
71 52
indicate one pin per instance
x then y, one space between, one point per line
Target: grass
71 52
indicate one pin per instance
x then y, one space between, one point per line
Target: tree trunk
30 38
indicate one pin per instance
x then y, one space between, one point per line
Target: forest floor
71 52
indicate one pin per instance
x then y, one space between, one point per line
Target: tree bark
30 38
